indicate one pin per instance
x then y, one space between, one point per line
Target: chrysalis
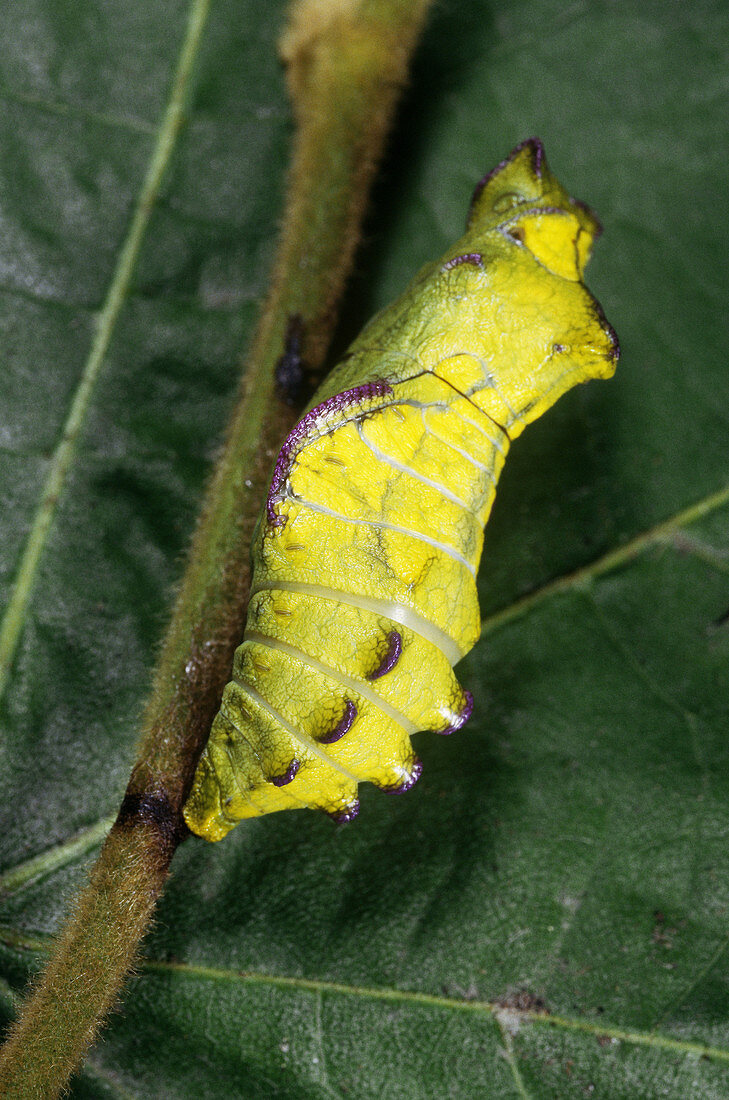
365 556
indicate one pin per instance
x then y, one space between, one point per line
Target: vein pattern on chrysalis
366 552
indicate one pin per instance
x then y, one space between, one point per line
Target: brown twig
347 61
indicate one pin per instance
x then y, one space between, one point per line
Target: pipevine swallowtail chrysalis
366 552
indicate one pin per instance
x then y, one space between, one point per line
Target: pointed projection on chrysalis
365 555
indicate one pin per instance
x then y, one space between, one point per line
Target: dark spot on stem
156 810
289 370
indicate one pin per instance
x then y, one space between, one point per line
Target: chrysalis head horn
523 183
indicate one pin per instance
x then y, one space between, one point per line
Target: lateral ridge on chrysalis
366 552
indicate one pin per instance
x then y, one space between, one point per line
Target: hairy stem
347 61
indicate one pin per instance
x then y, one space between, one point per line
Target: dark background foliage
567 851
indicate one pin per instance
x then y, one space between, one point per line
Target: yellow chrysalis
365 557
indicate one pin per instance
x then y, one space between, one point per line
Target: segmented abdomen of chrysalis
365 556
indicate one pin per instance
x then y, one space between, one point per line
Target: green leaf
545 914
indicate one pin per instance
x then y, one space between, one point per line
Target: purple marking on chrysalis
282 780
590 213
474 258
347 814
299 433
407 784
537 155
614 352
343 726
394 650
459 722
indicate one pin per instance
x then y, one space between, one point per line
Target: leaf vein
623 555
72 110
14 619
22 942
